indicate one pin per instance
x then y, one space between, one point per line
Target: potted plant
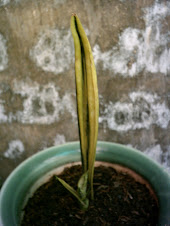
37 170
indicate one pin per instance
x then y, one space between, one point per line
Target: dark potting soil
119 200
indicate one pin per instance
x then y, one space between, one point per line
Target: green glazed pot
20 183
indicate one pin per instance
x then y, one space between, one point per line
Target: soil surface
119 200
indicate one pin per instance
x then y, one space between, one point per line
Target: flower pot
30 174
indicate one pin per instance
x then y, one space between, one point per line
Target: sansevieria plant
88 111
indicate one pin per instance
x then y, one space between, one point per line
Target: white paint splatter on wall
156 153
3 117
53 51
142 111
3 53
59 139
4 2
15 149
42 105
139 50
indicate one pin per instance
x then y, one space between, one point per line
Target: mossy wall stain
130 43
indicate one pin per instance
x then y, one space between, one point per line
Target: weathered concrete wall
130 42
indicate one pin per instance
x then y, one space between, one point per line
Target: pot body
21 183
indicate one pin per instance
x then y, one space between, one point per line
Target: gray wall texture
130 42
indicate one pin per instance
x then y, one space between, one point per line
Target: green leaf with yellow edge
83 203
81 87
87 97
82 186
